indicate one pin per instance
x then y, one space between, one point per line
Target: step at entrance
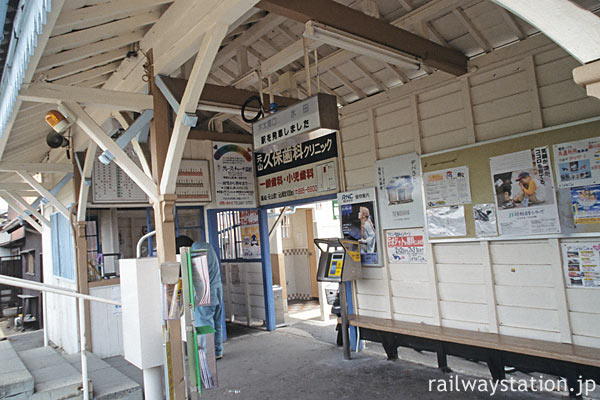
53 376
16 382
108 382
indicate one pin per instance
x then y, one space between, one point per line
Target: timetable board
110 184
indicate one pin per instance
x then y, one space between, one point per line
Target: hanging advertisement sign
586 204
301 170
234 175
447 187
250 234
406 246
358 212
581 264
399 191
577 163
193 182
525 195
315 116
446 221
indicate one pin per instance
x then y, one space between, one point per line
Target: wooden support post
165 231
81 244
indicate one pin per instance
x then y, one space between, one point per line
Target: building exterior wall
509 287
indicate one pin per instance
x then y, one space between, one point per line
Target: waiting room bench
572 362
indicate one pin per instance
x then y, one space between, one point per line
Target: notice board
477 159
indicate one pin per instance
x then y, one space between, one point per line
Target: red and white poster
405 246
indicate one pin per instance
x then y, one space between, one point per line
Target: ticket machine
340 262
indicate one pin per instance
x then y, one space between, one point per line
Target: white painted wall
105 319
511 287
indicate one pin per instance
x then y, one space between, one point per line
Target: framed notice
358 211
399 192
234 175
193 184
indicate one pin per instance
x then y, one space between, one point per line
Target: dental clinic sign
316 116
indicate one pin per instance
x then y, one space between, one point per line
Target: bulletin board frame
477 158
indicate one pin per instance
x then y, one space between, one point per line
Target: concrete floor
300 363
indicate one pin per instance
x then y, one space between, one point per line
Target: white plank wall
507 287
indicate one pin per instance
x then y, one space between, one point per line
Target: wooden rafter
368 74
86 17
472 29
512 24
82 65
86 36
398 72
89 50
348 83
89 74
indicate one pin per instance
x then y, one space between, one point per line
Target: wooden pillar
165 229
81 249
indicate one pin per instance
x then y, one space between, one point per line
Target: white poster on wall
446 221
399 193
234 175
358 211
577 163
581 264
485 219
405 246
447 187
525 195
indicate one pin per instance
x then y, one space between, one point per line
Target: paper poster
234 175
250 234
446 221
447 187
193 182
577 163
405 246
485 219
525 195
582 264
298 171
358 212
399 191
586 204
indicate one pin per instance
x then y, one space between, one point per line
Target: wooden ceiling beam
83 65
354 22
89 74
80 53
91 35
85 17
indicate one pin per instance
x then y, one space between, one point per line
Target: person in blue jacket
212 314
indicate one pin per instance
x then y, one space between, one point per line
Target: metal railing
81 298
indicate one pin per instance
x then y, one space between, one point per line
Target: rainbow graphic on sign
233 148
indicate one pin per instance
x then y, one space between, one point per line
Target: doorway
294 259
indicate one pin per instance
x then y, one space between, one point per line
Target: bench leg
442 359
389 345
496 366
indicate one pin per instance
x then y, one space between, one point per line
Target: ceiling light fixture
356 44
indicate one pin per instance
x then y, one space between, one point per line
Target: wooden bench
572 362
